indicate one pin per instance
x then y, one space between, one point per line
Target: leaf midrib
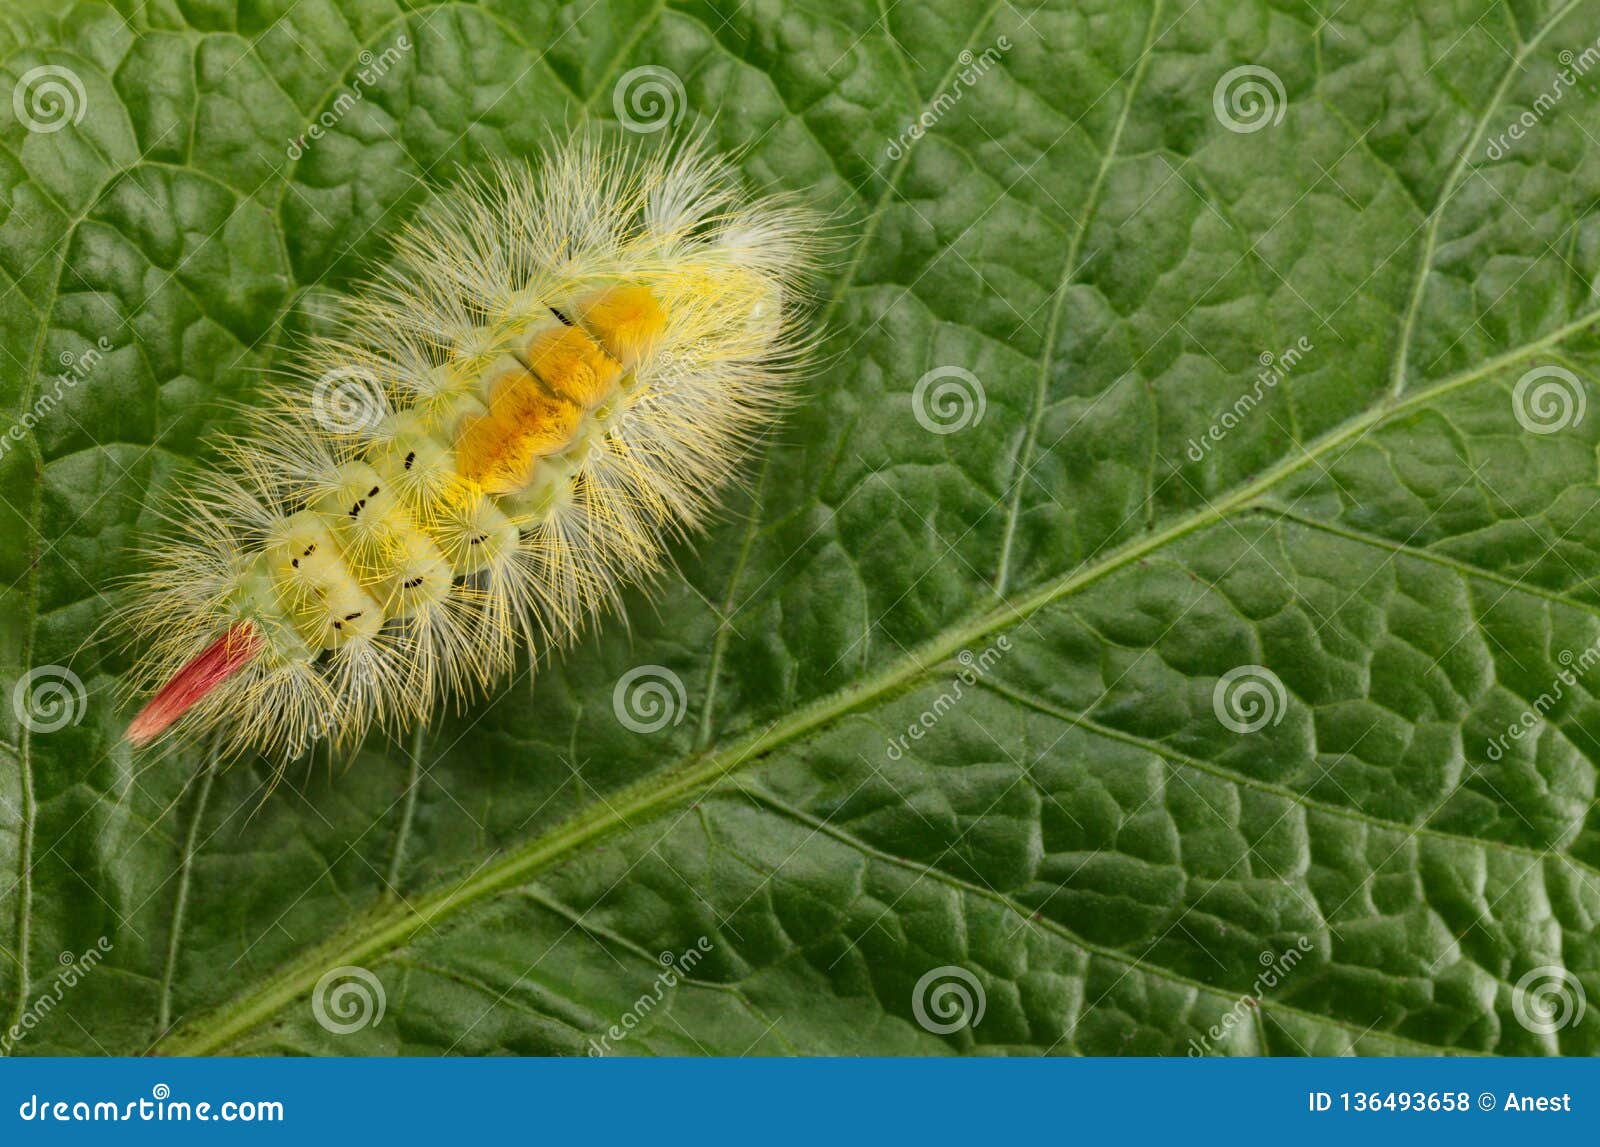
389 927
703 770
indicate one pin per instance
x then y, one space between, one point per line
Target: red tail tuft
222 659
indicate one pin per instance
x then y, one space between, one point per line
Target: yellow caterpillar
548 383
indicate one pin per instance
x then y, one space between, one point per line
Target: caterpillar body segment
550 382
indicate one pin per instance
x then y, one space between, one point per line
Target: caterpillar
546 384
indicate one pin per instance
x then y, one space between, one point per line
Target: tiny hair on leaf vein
548 384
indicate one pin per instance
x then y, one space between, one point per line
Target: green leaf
1389 548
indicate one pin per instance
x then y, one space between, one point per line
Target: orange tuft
524 424
573 365
626 320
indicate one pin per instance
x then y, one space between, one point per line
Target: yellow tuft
627 321
525 422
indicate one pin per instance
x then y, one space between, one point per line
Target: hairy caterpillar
547 384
